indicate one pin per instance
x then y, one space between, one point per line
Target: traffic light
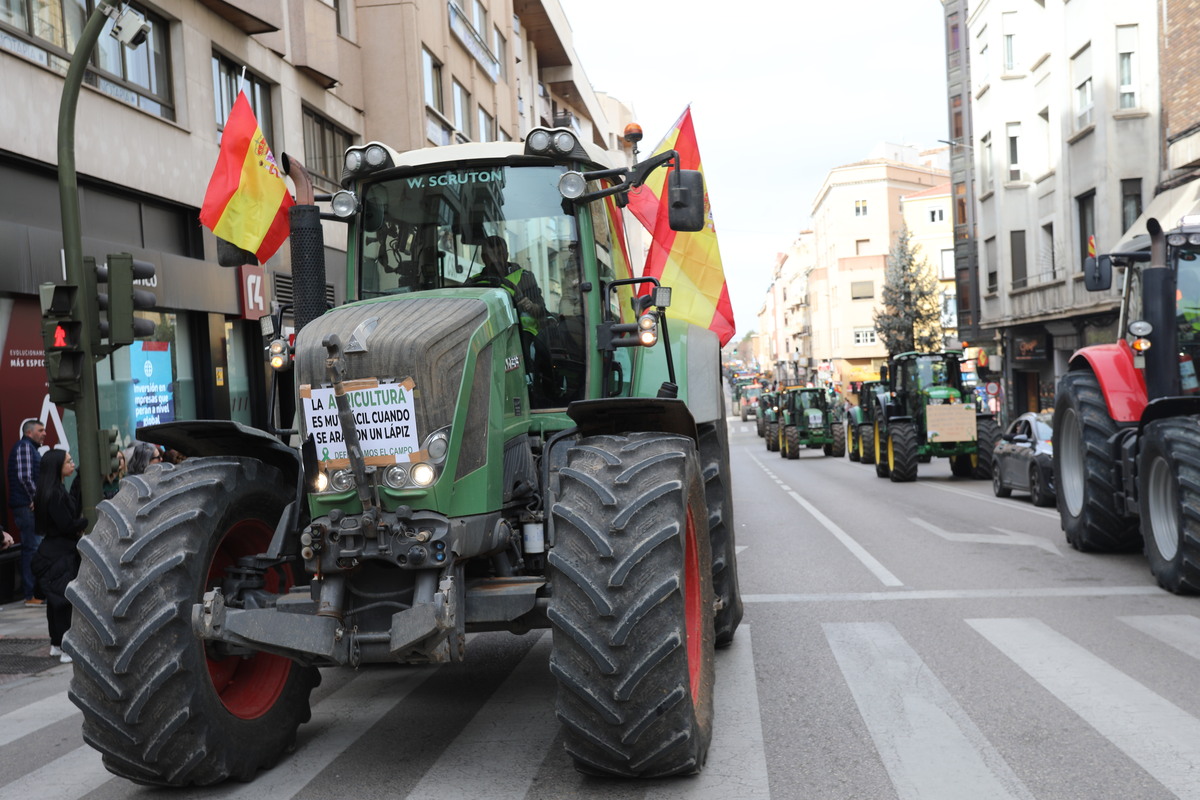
119 325
110 451
62 337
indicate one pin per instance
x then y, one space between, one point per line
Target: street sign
993 388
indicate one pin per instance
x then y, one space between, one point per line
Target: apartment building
856 216
927 216
320 75
1061 126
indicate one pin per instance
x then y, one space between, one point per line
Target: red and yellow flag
690 263
247 200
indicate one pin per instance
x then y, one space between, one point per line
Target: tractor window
1187 298
478 227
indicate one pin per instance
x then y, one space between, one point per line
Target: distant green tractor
766 406
860 422
770 419
808 419
928 413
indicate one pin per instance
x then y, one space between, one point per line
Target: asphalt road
921 640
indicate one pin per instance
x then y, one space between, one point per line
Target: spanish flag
247 200
690 263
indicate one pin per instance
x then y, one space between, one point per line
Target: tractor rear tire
772 437
632 636
839 440
866 446
782 439
902 452
987 433
155 704
793 442
718 495
1087 505
878 436
1169 488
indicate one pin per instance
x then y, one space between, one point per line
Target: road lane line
1161 737
1181 631
511 734
737 760
926 741
956 594
857 550
35 716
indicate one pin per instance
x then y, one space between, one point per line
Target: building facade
1064 117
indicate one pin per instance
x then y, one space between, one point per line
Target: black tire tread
621 665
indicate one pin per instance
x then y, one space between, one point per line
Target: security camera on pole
74 307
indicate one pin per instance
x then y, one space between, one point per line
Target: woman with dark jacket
56 562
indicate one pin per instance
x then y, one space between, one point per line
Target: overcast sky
782 91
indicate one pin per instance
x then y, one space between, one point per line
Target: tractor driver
519 282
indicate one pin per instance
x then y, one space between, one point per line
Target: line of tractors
917 411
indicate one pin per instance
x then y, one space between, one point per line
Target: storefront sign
254 293
151 383
1029 348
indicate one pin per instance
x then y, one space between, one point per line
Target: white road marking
1161 737
857 550
1003 537
339 721
35 716
511 733
1181 631
918 729
955 594
737 760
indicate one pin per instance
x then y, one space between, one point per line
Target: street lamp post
131 32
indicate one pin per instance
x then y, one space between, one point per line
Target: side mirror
685 192
1097 273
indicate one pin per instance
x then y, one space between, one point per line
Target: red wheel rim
247 687
693 616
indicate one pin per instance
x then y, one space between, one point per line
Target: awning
1168 208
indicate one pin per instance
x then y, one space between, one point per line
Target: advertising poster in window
152 383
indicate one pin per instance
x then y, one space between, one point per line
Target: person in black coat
56 563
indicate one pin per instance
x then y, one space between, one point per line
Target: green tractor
860 422
770 418
927 413
809 420
766 409
498 432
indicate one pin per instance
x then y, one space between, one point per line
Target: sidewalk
24 642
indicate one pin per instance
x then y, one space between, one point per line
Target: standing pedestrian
56 563
23 463
143 456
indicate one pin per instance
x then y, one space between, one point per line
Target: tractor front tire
866 446
159 708
772 437
1169 487
962 465
631 613
852 443
987 433
793 442
879 437
902 452
718 495
838 449
1087 505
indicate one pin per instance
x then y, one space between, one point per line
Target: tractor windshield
475 226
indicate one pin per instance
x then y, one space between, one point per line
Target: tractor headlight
344 204
341 480
563 142
423 474
572 185
395 476
437 445
279 355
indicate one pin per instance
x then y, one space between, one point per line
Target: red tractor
1127 415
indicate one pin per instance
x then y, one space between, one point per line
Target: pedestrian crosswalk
929 739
